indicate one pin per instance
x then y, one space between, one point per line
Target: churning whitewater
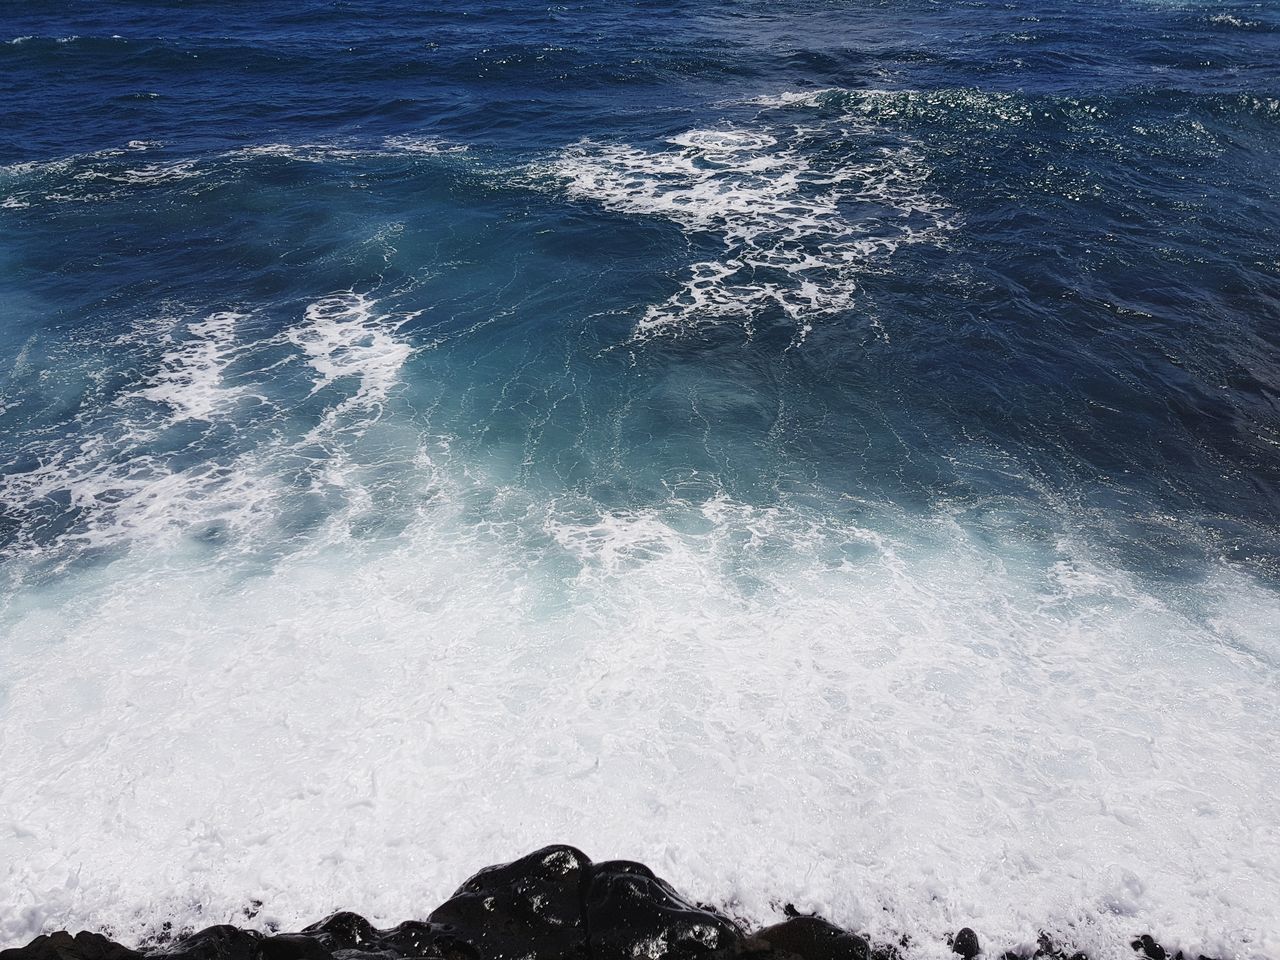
827 453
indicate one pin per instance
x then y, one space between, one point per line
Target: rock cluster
554 904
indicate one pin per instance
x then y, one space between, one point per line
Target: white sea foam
791 98
1231 20
308 152
88 177
337 151
190 379
146 174
344 338
38 167
122 477
417 144
800 222
926 733
104 174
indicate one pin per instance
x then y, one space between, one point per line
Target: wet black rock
294 946
554 904
63 946
810 937
343 931
631 913
530 908
223 942
966 944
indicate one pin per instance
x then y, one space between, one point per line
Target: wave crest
801 211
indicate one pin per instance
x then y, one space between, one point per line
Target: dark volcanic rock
414 938
812 938
529 908
223 942
966 944
344 931
294 946
631 913
63 946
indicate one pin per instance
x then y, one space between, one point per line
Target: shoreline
552 903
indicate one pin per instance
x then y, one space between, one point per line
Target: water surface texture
828 451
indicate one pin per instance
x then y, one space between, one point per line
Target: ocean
828 451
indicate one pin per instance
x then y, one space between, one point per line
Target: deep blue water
1095 329
812 295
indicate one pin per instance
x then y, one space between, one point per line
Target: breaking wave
800 211
205 441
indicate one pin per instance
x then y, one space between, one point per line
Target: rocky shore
554 904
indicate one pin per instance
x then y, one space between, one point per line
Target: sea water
828 451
